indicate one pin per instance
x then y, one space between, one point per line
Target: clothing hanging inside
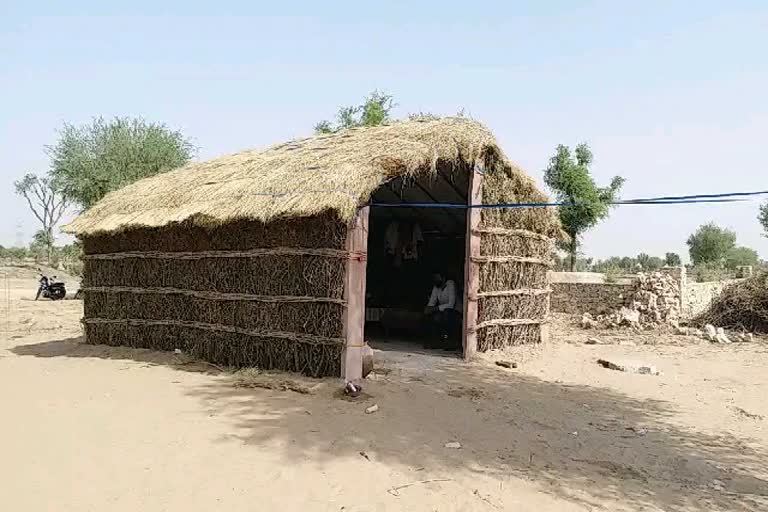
401 241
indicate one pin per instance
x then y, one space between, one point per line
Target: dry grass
254 378
307 177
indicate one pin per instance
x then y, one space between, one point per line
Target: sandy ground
91 428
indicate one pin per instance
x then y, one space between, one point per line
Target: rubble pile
655 302
718 334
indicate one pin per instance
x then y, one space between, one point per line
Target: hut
259 258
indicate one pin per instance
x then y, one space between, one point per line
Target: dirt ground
92 428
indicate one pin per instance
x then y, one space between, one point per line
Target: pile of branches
742 305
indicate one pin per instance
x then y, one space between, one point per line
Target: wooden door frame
354 296
355 282
471 267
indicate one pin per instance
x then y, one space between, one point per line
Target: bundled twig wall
500 241
513 307
323 231
318 318
214 295
314 276
496 276
515 254
207 255
243 294
224 348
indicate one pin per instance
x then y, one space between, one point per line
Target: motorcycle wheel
58 294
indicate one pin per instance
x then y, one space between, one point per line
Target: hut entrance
408 248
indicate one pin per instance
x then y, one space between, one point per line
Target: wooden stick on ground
394 491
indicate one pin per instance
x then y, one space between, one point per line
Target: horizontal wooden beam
211 295
510 293
298 337
200 255
508 322
511 259
523 233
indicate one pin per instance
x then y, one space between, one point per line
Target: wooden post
354 294
544 332
682 281
471 268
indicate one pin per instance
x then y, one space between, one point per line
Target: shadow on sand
583 444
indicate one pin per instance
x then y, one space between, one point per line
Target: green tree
628 263
672 259
643 260
47 203
91 160
582 264
571 181
649 262
70 257
614 262
16 253
763 217
711 244
374 111
741 257
42 246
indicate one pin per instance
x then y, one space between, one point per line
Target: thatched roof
304 177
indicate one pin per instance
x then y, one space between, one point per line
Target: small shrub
707 272
612 274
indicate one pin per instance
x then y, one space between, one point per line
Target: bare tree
45 201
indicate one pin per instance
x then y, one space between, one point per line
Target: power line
731 197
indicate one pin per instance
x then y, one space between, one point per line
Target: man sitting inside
442 314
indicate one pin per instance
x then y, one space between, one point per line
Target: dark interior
400 266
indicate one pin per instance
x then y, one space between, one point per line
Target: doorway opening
408 247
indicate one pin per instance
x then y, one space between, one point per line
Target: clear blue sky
673 97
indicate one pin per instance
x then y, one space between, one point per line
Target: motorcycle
50 288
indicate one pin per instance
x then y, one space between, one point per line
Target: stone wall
697 296
578 293
593 298
587 277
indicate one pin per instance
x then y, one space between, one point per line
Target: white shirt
443 297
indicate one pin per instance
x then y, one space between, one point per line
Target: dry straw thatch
241 260
306 177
